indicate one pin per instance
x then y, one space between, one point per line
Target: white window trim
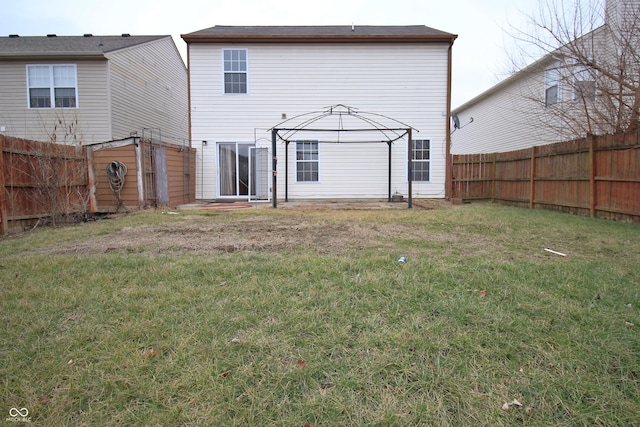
548 82
246 50
430 161
52 87
295 151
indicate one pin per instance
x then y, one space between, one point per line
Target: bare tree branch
593 50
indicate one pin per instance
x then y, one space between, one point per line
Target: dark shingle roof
311 34
48 46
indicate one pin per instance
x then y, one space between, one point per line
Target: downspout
448 186
189 92
195 166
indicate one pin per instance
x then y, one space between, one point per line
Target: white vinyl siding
510 119
407 82
514 117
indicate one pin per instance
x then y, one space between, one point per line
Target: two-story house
88 89
244 81
587 85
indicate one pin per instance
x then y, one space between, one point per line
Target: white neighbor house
547 101
244 81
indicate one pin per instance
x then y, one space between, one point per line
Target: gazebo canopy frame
371 123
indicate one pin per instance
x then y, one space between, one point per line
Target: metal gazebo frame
388 135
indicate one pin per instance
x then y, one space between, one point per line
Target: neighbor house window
584 83
52 86
420 156
552 85
235 70
307 161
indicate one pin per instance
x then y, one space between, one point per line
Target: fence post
592 176
493 178
4 223
532 183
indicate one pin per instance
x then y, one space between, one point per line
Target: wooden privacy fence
56 182
40 180
597 176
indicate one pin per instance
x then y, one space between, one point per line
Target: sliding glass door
233 169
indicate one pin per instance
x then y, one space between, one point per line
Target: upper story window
420 156
552 85
584 83
52 86
235 70
307 161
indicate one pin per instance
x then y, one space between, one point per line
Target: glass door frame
237 173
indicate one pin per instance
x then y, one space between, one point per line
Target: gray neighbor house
89 89
123 97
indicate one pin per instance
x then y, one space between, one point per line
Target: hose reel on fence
116 172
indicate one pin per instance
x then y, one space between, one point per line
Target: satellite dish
456 121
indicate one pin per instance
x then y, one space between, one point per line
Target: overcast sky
480 54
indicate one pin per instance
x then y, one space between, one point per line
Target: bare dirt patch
203 234
310 228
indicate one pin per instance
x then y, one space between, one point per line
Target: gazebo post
389 192
274 182
410 166
286 171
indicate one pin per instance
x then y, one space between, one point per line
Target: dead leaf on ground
151 353
72 316
326 388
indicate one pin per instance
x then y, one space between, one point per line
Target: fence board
597 176
40 180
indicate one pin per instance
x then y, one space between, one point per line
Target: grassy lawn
306 317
